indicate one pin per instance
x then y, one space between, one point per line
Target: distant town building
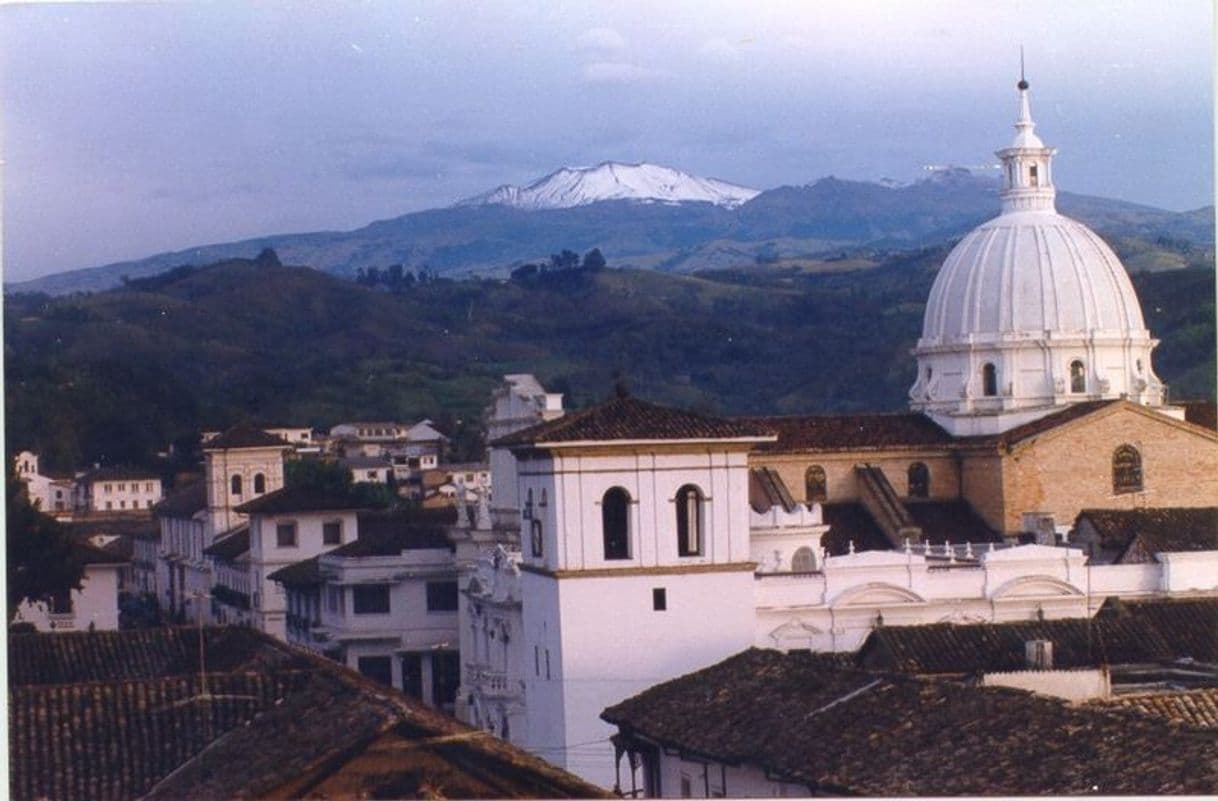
117 490
92 607
52 493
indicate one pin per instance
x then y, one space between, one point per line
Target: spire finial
1023 82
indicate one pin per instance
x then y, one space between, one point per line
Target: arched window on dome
1078 377
816 487
989 380
1126 470
803 561
689 521
615 506
919 480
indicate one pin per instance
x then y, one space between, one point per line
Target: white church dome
1033 273
1031 311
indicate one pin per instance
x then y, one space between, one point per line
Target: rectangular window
377 668
659 599
370 599
122 487
441 596
332 533
412 675
445 677
536 660
109 505
148 487
106 487
547 663
122 504
285 535
687 787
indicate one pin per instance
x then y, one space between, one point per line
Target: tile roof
1202 413
1168 529
136 527
1122 632
390 533
627 418
953 520
119 474
1189 626
850 432
231 544
301 499
89 554
767 489
184 502
850 732
850 523
365 462
298 574
121 715
244 435
1196 709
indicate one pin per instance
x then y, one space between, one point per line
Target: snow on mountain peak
609 180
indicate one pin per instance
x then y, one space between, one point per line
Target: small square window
441 596
285 535
370 599
659 599
332 533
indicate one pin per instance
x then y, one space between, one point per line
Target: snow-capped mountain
647 183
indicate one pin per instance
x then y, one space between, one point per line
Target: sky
129 129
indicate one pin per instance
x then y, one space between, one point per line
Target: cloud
719 49
619 72
602 39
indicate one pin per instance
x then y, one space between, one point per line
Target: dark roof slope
119 474
1189 626
632 419
298 574
849 732
1123 632
953 520
850 523
88 554
390 533
120 715
244 435
184 502
1162 530
767 489
231 544
850 432
1202 413
301 499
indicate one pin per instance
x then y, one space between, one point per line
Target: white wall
1071 685
94 604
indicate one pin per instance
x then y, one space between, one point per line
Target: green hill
115 376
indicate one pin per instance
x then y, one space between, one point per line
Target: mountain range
652 217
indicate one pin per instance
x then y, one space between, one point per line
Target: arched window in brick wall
1126 470
816 487
919 480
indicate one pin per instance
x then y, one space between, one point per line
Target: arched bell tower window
919 480
259 484
1126 470
615 506
1078 377
1033 176
689 521
803 561
816 487
234 485
989 380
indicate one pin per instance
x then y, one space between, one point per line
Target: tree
594 259
329 478
267 258
41 560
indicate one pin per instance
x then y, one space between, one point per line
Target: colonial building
653 541
117 490
51 493
92 607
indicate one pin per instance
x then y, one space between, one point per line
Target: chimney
1039 654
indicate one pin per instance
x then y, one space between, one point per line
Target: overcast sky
131 129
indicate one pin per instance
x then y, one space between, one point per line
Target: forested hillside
116 376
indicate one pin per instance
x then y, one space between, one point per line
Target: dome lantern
1030 312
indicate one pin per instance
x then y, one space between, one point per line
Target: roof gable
244 435
630 419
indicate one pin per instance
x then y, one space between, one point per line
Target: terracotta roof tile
119 474
184 502
121 715
231 544
1196 709
298 574
1189 626
632 419
244 435
851 431
1161 530
850 732
300 499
